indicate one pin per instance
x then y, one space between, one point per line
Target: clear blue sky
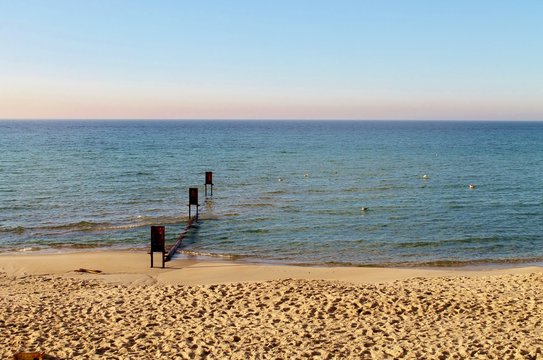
272 59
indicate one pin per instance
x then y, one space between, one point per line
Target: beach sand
221 310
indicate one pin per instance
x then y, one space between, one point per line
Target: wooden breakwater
173 249
158 242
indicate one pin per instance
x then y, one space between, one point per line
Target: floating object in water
279 179
472 186
364 209
306 175
425 177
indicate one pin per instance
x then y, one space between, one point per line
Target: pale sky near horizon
388 59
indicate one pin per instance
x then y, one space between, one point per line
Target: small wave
342 212
440 243
13 230
79 245
257 231
231 214
140 221
139 173
78 226
446 263
419 244
383 188
212 255
89 226
474 262
351 190
291 208
473 240
529 213
276 192
317 191
259 219
398 217
255 205
5 249
28 249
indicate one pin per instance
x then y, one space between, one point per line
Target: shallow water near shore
323 192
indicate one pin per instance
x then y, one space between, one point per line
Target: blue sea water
285 191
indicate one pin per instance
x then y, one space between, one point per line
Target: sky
295 59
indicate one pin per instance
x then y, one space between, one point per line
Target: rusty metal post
209 181
193 200
158 242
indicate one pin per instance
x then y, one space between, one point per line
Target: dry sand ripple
495 317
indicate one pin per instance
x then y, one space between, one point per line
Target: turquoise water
93 184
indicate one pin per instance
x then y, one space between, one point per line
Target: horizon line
264 119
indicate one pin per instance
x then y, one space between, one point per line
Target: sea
346 193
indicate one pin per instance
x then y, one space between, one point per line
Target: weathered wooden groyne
158 232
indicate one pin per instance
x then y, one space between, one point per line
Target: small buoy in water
306 175
364 209
472 186
279 179
425 177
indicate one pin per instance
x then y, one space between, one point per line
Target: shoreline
126 266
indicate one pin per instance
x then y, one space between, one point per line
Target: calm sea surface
287 192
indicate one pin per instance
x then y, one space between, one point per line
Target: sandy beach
219 310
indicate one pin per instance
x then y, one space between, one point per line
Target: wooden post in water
158 242
209 181
193 200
